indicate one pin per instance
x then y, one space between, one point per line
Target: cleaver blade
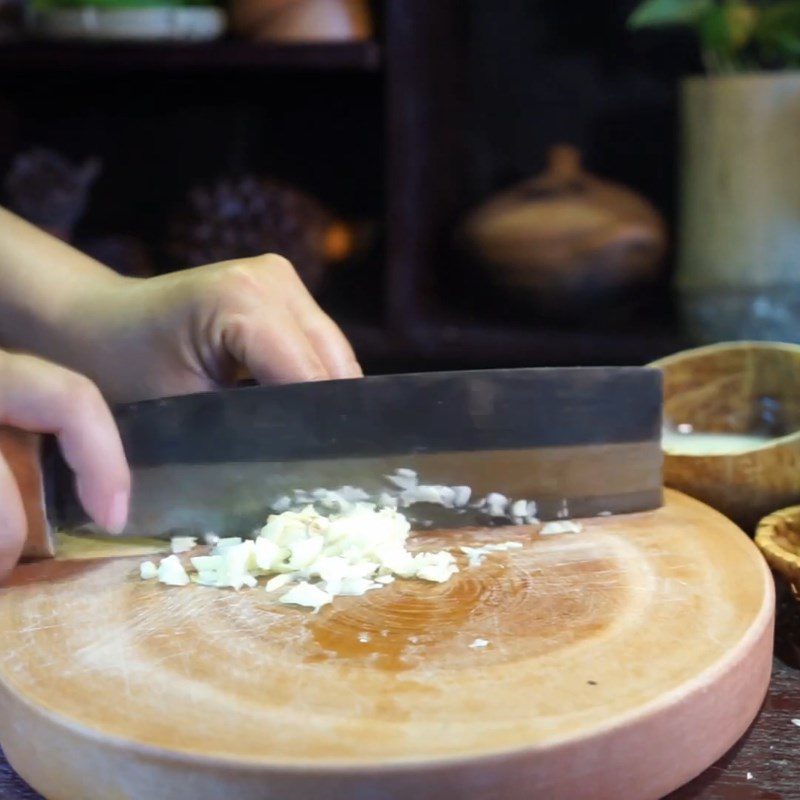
577 441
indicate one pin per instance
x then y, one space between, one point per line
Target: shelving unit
190 58
382 130
470 345
428 163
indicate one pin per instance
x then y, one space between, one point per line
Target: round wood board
621 662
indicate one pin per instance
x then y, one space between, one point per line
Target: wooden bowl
741 389
778 538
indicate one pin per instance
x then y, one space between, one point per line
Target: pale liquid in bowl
698 443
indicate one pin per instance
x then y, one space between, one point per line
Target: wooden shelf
465 345
544 347
20 57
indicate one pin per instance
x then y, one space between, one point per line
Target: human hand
190 331
38 396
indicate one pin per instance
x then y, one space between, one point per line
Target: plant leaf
778 32
790 44
715 32
742 18
667 13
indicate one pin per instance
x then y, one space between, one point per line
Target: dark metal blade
587 437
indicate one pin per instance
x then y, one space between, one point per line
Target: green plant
734 35
45 5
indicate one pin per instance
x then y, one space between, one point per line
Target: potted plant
738 271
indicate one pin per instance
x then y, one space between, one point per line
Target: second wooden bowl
778 538
732 427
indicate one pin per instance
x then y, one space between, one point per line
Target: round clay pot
567 235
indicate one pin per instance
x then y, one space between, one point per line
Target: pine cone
48 190
238 218
125 254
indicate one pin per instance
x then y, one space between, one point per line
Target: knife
577 441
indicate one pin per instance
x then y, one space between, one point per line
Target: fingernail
117 516
354 370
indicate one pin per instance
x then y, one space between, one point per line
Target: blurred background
461 183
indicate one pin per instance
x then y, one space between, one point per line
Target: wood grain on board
761 766
621 662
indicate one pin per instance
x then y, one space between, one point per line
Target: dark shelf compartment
19 57
439 345
543 347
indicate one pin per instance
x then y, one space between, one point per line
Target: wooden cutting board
621 662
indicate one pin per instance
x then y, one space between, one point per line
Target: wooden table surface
764 765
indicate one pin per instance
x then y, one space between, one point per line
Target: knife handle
22 452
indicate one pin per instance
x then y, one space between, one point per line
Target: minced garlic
325 543
318 557
171 572
148 570
475 555
567 526
182 544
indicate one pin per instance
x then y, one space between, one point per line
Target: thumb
12 520
38 396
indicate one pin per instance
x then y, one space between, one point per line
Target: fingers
42 397
326 337
274 349
331 345
12 520
276 330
